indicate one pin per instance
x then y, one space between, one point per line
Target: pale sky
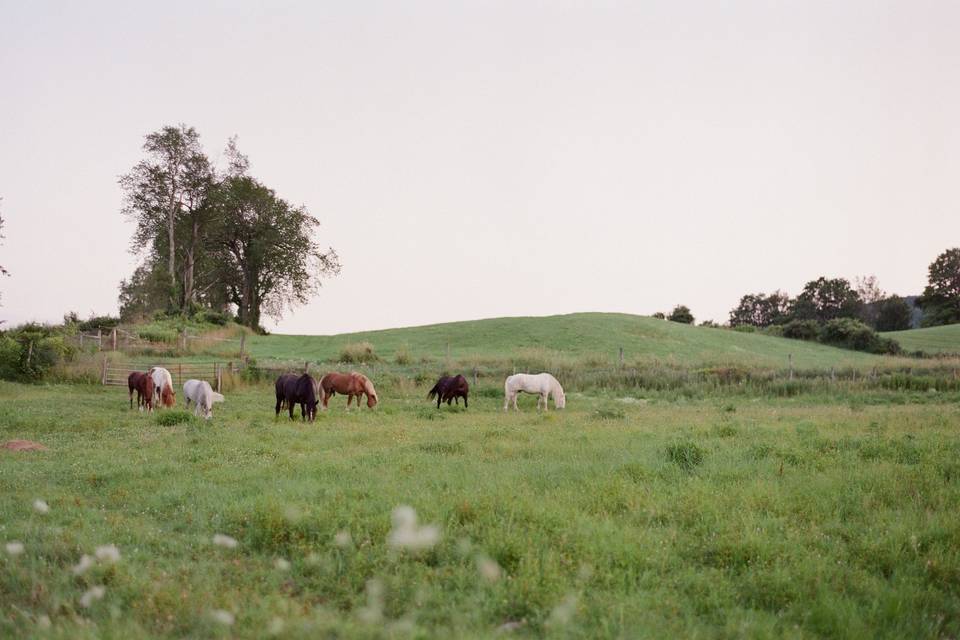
482 159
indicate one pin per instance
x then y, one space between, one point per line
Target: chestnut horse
450 388
142 383
162 387
292 390
349 384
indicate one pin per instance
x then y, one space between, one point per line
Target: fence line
116 373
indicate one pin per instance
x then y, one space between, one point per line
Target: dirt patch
23 445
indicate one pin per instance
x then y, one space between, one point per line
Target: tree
166 191
941 297
681 313
824 300
761 310
893 314
871 295
266 253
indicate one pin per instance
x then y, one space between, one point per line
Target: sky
484 159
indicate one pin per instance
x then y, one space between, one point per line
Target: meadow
932 340
629 514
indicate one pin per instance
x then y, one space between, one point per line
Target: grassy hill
597 336
945 339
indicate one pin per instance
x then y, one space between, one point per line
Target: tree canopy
941 297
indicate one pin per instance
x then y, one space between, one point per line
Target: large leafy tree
893 314
868 288
267 257
166 194
761 310
826 299
941 297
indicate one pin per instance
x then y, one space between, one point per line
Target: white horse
161 377
542 384
203 397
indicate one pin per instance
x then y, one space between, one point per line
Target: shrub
358 352
99 322
801 330
211 316
660 315
402 356
681 313
853 334
745 328
28 352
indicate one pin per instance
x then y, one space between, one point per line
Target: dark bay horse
142 383
292 390
450 388
349 384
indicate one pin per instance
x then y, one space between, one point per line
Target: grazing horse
349 384
162 387
542 384
203 397
450 388
143 385
293 390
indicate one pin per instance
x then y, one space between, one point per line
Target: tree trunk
188 291
171 264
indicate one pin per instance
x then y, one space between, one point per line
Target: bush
853 334
402 356
99 322
173 417
660 315
28 352
681 313
210 316
801 330
358 352
745 328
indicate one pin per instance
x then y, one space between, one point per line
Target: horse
350 384
203 397
542 384
450 388
162 387
143 385
293 390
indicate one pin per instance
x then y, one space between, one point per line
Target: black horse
294 390
450 388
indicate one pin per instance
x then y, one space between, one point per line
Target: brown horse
142 383
450 388
349 384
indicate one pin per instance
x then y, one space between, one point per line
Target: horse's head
312 410
559 400
372 399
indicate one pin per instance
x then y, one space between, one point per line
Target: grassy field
832 516
945 339
595 335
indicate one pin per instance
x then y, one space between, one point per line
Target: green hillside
945 339
593 335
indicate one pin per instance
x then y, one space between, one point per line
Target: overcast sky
480 159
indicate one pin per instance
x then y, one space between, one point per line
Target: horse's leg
515 407
465 406
278 407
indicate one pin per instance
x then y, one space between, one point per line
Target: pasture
824 515
943 339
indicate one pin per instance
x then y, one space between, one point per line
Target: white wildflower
373 612
40 506
14 548
343 539
222 617
281 565
85 563
563 612
224 541
107 553
488 568
92 594
43 621
407 535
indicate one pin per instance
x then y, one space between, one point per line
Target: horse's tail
434 391
218 397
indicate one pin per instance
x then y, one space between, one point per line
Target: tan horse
349 384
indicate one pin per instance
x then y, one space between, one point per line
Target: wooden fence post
306 367
243 338
99 339
219 384
113 339
81 341
103 371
